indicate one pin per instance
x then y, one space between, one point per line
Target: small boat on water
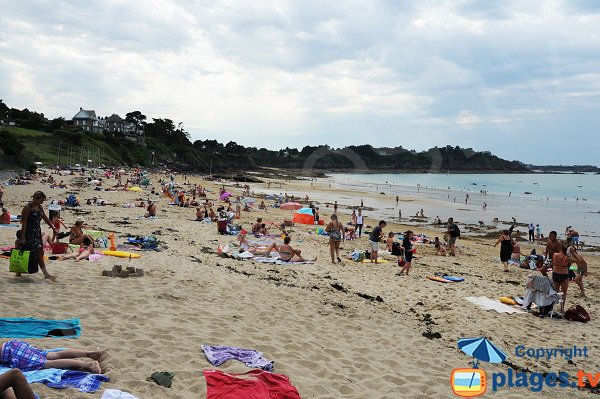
527 192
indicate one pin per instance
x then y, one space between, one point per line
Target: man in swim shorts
374 238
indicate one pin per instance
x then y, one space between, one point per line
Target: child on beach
86 248
408 252
440 250
25 357
5 216
56 222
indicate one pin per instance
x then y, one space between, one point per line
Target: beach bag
23 261
455 232
367 254
59 248
577 313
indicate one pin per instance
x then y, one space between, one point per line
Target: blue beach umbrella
481 349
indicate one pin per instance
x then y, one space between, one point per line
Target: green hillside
65 148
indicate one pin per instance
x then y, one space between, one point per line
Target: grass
48 147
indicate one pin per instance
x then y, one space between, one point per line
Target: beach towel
277 261
255 384
60 378
491 304
9 225
116 394
80 380
219 354
36 328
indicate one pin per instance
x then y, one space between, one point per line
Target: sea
554 201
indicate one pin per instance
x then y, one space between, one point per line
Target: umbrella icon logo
470 382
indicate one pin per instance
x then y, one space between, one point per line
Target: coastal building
114 124
87 120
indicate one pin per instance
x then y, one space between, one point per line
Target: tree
57 123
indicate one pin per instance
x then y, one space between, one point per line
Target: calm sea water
556 200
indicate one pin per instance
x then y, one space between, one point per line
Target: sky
518 78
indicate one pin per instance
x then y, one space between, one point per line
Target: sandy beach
350 330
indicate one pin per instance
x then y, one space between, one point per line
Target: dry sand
331 342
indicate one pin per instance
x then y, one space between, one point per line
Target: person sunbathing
212 215
76 234
288 254
256 226
25 357
255 250
86 248
151 210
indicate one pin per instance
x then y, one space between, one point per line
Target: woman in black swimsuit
560 273
505 242
31 232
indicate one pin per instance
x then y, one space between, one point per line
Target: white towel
116 394
492 304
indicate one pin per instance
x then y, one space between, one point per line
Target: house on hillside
87 120
114 124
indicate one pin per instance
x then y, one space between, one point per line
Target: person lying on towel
25 357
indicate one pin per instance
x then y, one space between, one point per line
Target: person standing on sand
560 273
353 218
531 229
582 268
538 233
553 245
361 203
335 207
360 218
334 228
505 242
408 252
31 232
397 199
374 238
399 214
453 233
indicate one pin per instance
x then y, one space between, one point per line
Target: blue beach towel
60 379
36 328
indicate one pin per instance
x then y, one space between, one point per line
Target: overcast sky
518 78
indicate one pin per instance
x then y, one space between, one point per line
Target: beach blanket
5 226
60 378
277 261
36 328
491 304
219 354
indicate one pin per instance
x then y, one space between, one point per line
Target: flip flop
162 378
